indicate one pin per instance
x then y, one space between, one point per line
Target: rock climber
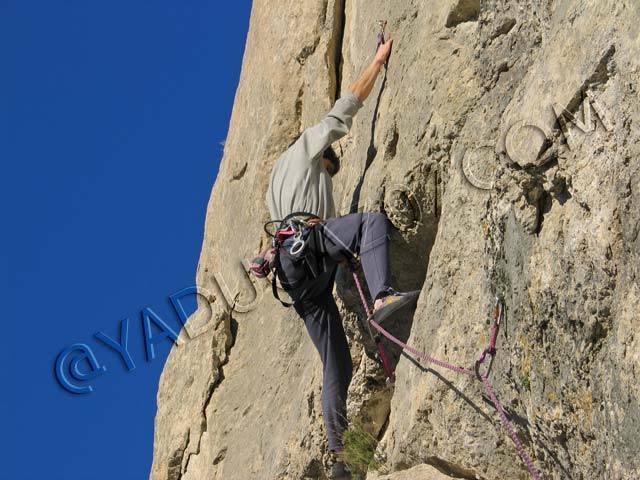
300 199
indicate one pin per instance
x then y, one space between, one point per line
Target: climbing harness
498 316
305 229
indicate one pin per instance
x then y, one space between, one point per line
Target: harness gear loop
498 316
298 226
294 224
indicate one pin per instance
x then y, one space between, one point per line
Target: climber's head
330 161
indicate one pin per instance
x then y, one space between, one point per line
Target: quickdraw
383 25
498 316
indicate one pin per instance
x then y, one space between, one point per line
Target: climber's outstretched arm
362 87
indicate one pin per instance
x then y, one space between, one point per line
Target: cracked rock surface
503 143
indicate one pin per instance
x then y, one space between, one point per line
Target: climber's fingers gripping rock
383 51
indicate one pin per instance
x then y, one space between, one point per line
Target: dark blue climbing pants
309 279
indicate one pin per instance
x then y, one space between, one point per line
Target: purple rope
512 433
364 300
420 354
505 421
383 353
491 349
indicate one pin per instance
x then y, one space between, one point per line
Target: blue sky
111 118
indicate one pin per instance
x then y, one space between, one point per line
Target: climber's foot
386 306
338 470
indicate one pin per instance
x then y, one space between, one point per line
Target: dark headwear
330 154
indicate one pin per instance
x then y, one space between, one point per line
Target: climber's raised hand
363 85
383 52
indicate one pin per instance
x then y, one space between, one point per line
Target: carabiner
298 243
479 362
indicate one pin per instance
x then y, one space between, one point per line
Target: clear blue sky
111 118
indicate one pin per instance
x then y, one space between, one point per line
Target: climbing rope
498 313
376 338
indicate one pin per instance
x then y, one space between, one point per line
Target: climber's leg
368 234
323 322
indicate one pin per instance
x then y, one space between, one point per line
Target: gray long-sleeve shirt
299 182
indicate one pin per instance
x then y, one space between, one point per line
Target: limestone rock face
503 143
419 472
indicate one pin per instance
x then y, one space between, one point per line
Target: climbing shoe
392 303
339 471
